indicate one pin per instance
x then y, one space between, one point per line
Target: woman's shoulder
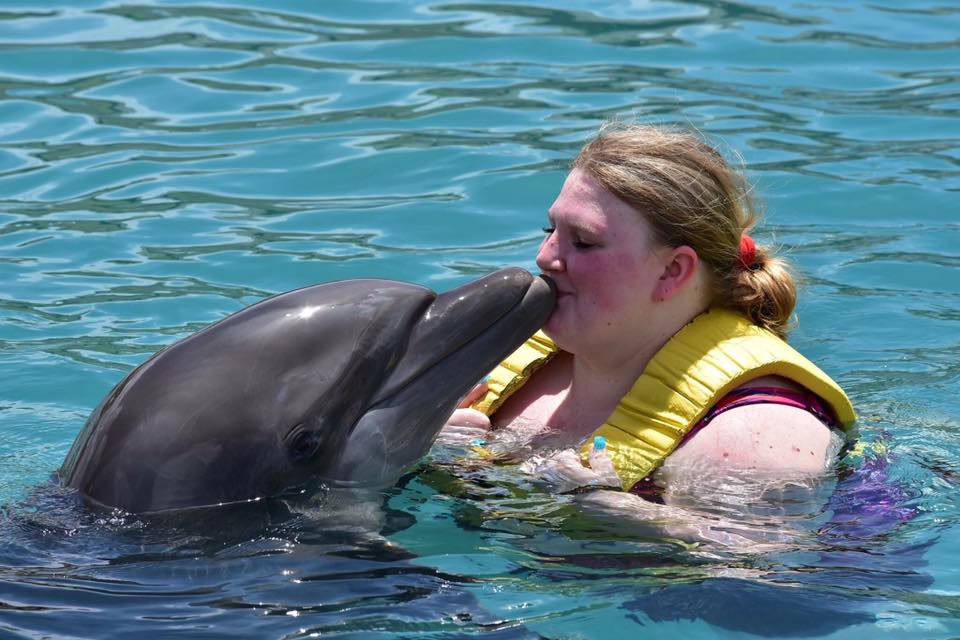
770 435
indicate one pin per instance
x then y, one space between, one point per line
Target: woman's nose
548 257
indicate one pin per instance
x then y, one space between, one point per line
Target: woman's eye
578 243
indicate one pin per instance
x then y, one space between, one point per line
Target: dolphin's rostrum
345 383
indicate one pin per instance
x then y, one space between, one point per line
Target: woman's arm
765 437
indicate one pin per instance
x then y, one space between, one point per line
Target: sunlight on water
163 164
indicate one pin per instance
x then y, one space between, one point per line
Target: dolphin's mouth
457 319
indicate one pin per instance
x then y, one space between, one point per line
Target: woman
667 336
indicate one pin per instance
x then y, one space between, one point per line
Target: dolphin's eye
302 443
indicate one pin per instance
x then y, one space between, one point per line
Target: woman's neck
598 383
600 378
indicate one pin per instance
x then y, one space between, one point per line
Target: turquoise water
163 164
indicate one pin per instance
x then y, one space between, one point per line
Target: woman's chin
560 332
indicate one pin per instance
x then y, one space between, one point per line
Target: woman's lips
561 292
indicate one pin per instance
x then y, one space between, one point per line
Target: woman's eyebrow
580 228
575 225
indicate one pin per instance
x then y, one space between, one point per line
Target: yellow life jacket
714 354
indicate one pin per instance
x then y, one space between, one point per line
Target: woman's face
601 254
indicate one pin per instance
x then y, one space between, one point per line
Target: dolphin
342 384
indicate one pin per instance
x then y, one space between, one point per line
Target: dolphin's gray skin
345 383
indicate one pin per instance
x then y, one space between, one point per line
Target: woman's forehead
584 202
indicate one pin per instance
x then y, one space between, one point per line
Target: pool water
163 164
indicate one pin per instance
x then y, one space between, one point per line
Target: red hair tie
748 251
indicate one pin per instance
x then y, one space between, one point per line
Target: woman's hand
564 471
465 424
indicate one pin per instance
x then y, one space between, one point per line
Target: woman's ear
681 265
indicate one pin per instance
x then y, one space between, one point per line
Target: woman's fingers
463 426
564 471
470 418
474 394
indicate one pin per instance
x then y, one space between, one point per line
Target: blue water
163 164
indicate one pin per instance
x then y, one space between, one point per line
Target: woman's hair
690 196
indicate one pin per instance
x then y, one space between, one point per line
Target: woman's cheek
612 282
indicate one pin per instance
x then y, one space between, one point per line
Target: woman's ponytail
764 290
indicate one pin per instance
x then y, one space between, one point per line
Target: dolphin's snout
519 277
549 281
459 316
551 285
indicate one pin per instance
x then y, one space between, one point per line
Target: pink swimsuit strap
740 398
769 395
